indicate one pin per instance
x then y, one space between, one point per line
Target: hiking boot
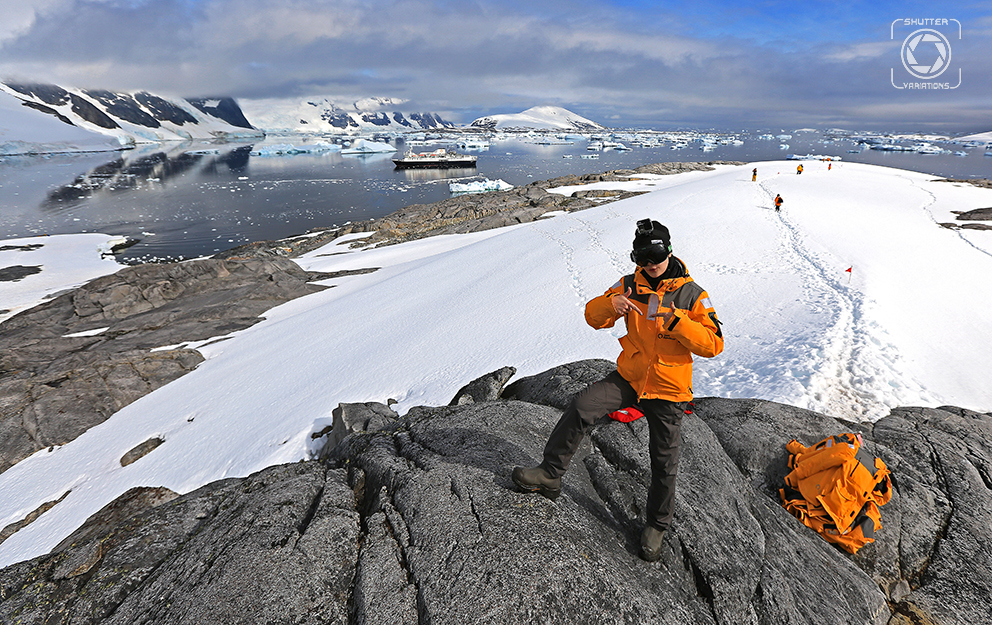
537 480
651 541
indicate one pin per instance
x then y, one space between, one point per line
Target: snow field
905 327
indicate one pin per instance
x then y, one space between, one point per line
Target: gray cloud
471 58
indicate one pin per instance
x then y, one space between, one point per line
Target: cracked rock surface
418 522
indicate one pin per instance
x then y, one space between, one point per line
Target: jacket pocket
632 363
671 352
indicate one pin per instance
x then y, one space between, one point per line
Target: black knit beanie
656 235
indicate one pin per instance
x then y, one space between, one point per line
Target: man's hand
623 305
666 317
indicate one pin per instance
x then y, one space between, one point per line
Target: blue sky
621 62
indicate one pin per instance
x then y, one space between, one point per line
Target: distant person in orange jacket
754 174
829 165
778 202
799 169
669 318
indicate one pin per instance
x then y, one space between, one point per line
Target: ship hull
402 163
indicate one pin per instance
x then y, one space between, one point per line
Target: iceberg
284 149
811 157
364 146
479 186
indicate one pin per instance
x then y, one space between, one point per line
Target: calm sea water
194 200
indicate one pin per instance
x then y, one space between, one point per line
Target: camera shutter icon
926 53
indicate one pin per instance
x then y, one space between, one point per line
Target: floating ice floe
473 144
284 149
479 186
811 157
363 146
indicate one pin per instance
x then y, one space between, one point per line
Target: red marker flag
850 273
848 270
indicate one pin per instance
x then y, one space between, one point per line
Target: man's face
657 269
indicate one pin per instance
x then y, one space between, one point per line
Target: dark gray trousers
664 422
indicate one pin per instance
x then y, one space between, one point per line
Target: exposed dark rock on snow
49 111
418 521
984 183
14 273
49 94
429 120
123 106
31 517
984 214
968 226
162 109
89 112
222 108
54 387
140 451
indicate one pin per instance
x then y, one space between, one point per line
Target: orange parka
835 487
656 359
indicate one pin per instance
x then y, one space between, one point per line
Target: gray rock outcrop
56 383
418 521
350 418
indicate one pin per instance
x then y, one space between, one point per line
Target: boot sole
549 493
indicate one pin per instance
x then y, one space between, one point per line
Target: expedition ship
438 159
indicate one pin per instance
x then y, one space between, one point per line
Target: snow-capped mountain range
43 118
538 118
135 117
336 115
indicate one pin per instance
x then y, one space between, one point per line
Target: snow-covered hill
327 114
133 117
824 306
538 118
24 130
980 136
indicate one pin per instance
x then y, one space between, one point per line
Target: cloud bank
630 62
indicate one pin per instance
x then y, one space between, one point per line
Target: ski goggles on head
650 255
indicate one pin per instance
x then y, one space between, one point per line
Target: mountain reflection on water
122 175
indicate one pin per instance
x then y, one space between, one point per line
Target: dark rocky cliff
416 521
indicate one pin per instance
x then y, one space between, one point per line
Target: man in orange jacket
669 318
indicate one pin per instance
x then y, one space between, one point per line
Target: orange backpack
835 487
